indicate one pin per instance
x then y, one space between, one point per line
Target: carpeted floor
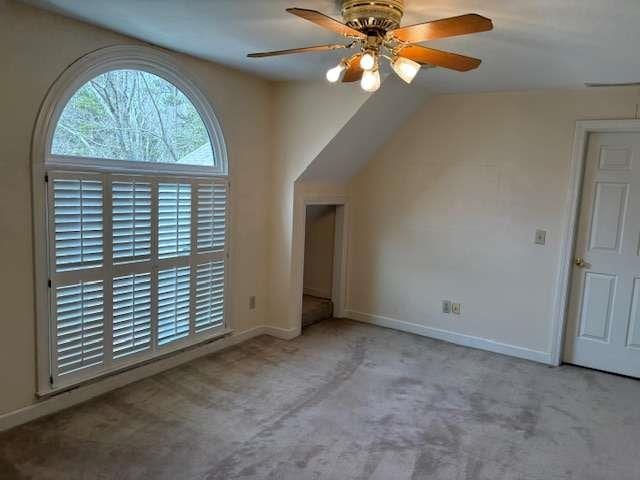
344 401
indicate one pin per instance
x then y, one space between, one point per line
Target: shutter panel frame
174 305
131 327
174 219
131 219
79 327
211 215
77 222
209 297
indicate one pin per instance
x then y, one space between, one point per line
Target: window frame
46 164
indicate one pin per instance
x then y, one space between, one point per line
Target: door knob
579 261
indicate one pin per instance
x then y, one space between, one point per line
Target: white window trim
91 65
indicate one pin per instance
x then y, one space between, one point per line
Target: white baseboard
316 292
83 393
451 337
282 333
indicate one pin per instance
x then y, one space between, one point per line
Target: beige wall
35 48
320 229
448 210
306 117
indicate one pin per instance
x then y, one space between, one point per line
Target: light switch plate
446 306
252 303
456 308
541 237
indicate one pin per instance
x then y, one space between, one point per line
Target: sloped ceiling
536 43
365 132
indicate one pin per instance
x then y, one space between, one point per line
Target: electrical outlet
252 303
456 308
446 306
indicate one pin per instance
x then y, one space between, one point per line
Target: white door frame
339 287
572 208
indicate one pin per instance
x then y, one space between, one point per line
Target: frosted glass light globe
368 61
405 68
370 81
333 74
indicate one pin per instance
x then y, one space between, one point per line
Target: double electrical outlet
449 307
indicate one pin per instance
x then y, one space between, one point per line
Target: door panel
603 322
608 216
597 306
615 158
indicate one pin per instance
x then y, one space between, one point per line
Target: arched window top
132 115
129 108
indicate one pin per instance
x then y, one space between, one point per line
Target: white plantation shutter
174 287
212 205
131 240
138 268
77 212
209 295
131 206
79 326
174 219
131 314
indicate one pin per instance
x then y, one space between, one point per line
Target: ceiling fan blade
439 58
317 48
447 27
354 71
326 22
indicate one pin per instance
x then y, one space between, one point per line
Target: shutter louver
131 220
131 314
77 221
174 219
173 304
209 295
212 214
79 326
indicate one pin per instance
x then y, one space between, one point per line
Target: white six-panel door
603 323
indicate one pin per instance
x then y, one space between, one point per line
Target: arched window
132 115
133 239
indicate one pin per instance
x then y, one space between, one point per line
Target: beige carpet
344 401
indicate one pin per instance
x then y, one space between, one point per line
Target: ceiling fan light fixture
368 61
374 28
405 68
370 80
334 74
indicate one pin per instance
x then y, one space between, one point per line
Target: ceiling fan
373 27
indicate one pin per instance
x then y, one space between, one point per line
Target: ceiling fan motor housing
373 16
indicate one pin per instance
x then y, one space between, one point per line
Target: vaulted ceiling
535 43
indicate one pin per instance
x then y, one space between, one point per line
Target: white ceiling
535 43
